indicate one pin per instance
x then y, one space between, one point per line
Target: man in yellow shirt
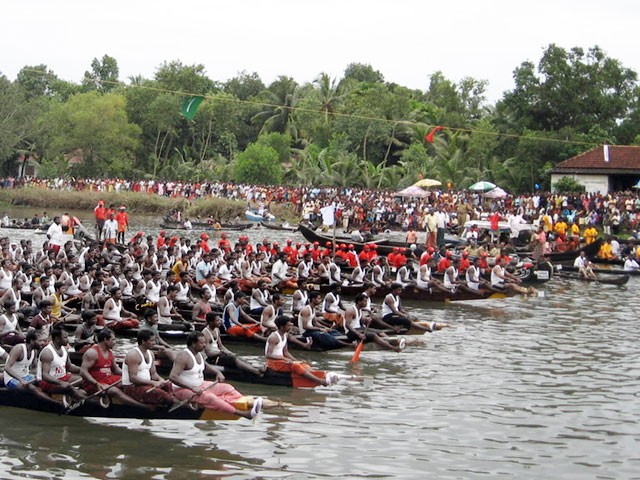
605 252
590 235
561 228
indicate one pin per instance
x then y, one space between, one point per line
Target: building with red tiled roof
603 169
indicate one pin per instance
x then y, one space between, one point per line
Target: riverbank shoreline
221 209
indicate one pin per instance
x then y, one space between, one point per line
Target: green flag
190 106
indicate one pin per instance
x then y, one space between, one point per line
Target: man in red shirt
100 213
123 223
100 370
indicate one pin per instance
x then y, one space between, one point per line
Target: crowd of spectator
357 208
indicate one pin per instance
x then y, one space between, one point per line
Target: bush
568 185
258 164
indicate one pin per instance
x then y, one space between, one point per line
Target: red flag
429 136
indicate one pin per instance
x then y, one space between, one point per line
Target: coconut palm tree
279 101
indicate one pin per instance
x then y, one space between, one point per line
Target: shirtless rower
187 376
280 360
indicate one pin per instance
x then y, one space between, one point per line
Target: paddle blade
356 354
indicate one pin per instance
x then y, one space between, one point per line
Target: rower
55 373
160 346
501 279
394 314
259 298
85 335
311 327
167 313
586 270
187 376
300 296
238 322
202 306
353 323
332 307
280 360
218 353
10 332
270 312
450 281
140 380
100 371
42 322
18 371
116 317
473 276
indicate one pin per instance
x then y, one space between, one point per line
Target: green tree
281 143
95 129
572 88
190 79
245 85
361 72
103 76
280 101
258 164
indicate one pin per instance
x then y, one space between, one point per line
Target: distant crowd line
357 207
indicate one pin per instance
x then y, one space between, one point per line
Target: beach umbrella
495 193
412 191
482 186
427 182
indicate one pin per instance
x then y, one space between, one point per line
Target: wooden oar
356 354
191 397
99 392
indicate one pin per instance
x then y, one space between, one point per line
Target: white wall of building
592 183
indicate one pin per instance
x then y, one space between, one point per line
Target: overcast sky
406 40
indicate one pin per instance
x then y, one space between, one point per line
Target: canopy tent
412 191
482 186
495 193
427 182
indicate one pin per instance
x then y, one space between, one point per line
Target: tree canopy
358 130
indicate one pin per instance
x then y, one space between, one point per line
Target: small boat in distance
256 216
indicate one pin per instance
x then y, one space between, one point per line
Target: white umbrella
482 186
412 191
495 193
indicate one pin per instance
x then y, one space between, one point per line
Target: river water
525 388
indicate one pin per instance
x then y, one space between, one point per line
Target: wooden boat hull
273 226
614 280
206 227
25 400
416 294
604 271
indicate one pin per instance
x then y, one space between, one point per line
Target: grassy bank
136 203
